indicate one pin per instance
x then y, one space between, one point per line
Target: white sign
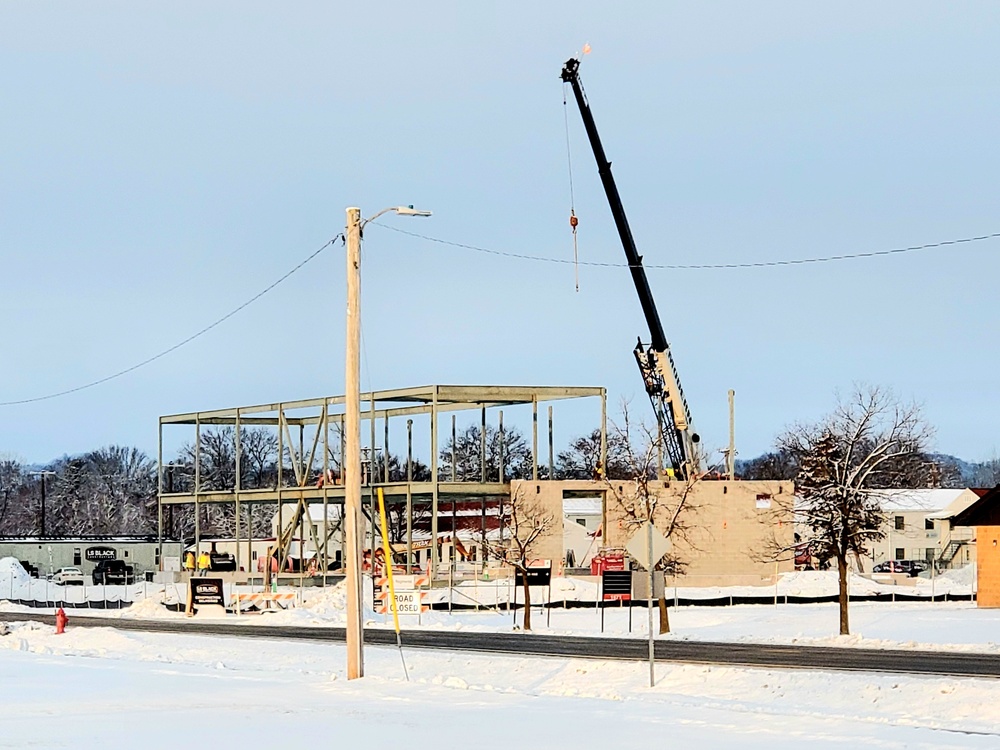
408 602
402 582
639 545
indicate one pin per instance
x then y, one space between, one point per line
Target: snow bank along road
108 688
954 664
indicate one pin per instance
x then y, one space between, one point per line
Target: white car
68 577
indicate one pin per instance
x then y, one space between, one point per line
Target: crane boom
656 364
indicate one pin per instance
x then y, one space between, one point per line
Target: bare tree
12 484
778 465
645 498
523 525
419 471
582 460
986 473
258 457
870 441
507 446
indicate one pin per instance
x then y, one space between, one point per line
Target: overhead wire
700 266
505 254
178 345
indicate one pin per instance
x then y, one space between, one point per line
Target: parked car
911 568
113 571
68 577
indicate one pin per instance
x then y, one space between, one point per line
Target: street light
42 475
352 436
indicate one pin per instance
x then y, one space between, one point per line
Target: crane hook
573 222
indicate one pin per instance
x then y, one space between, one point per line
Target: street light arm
401 210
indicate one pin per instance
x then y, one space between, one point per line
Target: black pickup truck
113 571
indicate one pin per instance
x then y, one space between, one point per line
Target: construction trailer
430 512
47 554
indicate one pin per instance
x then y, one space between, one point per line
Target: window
900 553
929 554
125 554
77 560
582 521
156 556
900 525
929 524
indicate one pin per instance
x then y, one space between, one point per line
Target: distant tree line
923 470
113 490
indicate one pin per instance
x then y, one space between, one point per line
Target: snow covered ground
101 688
901 624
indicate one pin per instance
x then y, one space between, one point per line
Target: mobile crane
659 373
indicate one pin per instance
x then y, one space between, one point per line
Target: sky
160 164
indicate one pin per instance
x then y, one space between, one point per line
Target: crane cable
573 221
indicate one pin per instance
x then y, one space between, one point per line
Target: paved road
624 649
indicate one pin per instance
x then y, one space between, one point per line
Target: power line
178 345
701 266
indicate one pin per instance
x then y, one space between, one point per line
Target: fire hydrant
61 620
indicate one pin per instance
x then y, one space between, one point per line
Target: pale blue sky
162 162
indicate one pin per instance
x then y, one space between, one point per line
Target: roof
33 539
983 512
315 512
582 506
959 504
927 500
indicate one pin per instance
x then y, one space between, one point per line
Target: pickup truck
113 571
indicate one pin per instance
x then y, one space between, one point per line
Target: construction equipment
659 374
281 550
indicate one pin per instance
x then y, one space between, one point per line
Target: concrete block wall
546 498
732 526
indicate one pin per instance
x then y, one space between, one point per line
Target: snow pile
824 583
150 607
959 576
330 602
11 570
322 606
958 581
574 589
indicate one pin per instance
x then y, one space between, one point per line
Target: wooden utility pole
352 449
731 454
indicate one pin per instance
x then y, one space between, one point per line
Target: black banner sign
536 577
616 585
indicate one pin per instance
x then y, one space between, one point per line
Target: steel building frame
324 413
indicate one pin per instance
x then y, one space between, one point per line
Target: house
914 529
984 515
956 544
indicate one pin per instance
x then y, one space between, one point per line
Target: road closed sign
409 598
408 602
